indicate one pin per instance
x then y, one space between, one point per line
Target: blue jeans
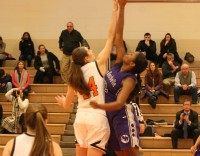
26 57
179 91
156 93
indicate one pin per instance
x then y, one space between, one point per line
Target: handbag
189 57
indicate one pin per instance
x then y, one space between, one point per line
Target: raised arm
105 53
120 49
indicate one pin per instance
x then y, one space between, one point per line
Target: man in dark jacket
186 124
68 41
169 70
148 47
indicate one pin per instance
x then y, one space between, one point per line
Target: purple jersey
113 82
123 123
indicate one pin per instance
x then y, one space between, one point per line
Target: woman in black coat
44 63
168 45
26 47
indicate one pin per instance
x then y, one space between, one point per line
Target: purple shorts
124 128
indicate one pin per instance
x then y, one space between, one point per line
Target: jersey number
92 87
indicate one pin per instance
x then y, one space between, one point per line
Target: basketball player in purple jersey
122 83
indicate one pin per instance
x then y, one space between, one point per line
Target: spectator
36 141
153 84
3 54
168 45
68 41
169 70
186 124
44 63
148 47
185 84
26 47
21 78
15 123
5 81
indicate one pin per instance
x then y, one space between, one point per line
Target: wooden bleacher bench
165 108
169 118
56 129
163 100
196 70
4 138
40 97
164 143
32 71
53 118
51 107
49 88
165 152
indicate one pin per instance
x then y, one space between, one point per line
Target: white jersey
95 81
22 145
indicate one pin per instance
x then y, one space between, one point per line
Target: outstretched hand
61 100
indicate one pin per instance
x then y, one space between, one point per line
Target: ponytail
35 117
76 79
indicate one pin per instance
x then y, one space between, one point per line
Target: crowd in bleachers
175 74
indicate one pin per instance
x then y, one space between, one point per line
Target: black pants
39 77
178 133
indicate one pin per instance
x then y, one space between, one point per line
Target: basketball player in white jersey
91 125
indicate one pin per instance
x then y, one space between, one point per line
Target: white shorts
91 128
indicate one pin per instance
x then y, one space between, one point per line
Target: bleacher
60 122
58 118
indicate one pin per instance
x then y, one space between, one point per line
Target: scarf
23 78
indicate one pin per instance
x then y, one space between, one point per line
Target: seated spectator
3 54
169 70
26 47
44 63
185 84
196 148
36 141
21 78
15 123
186 124
148 47
153 85
168 45
5 81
